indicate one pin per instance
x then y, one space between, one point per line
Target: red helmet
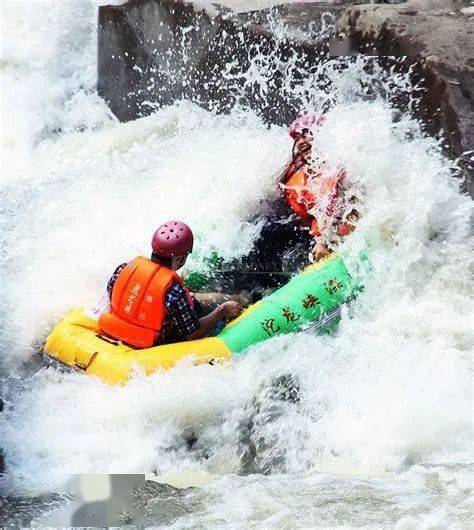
307 121
173 238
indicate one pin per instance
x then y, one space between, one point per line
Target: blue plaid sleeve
180 310
114 277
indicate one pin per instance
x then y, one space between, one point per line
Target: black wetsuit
281 250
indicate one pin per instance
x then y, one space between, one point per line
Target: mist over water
385 404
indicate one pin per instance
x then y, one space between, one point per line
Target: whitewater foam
386 395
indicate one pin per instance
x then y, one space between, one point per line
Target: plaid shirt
180 320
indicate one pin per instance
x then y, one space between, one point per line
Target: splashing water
383 406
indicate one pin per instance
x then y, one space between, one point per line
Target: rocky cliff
438 36
153 52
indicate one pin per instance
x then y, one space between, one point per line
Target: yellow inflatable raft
76 342
314 295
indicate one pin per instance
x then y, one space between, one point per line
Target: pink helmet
307 121
173 238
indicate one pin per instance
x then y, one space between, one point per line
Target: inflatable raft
314 295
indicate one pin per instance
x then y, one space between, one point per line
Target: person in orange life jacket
150 304
308 189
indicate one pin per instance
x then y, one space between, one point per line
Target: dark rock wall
141 55
154 52
438 40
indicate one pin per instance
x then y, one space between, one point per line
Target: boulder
438 38
152 53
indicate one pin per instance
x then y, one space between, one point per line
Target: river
381 432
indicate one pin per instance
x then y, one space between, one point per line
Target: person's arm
190 327
211 299
113 278
228 310
206 323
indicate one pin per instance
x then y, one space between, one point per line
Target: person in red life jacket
313 192
150 304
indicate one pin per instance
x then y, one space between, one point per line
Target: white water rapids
382 434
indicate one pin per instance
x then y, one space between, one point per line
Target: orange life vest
138 303
299 198
302 198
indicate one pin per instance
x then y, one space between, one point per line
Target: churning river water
382 431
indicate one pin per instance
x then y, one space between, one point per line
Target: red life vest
138 303
304 190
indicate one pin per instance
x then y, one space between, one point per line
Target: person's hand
231 309
320 251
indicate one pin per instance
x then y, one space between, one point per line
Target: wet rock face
438 39
143 63
154 52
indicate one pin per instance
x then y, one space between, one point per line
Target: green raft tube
313 296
